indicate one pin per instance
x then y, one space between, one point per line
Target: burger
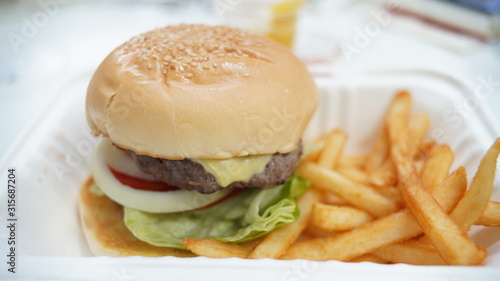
200 131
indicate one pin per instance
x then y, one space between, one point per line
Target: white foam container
53 153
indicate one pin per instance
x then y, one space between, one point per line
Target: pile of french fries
397 204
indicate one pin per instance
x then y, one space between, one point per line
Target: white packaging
53 154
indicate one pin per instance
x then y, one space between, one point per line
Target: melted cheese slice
230 170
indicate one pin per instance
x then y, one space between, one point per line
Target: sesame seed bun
196 91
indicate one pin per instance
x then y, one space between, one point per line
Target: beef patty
190 175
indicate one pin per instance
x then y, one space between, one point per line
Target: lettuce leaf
246 216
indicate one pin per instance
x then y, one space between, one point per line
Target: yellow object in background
283 22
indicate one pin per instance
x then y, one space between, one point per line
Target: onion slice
122 162
144 200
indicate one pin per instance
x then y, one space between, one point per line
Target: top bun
196 91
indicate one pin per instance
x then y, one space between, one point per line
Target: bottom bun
106 233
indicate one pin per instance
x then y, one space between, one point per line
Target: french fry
215 249
396 122
276 242
252 243
338 218
452 188
420 242
312 231
420 156
437 166
369 258
410 254
384 231
490 216
379 151
357 161
332 198
359 241
332 150
392 193
384 175
356 194
353 173
454 246
476 199
418 124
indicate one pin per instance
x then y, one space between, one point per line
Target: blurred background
45 44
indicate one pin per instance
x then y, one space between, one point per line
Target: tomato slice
142 184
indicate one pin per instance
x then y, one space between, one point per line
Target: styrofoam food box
52 159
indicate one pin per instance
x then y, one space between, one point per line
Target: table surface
42 47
